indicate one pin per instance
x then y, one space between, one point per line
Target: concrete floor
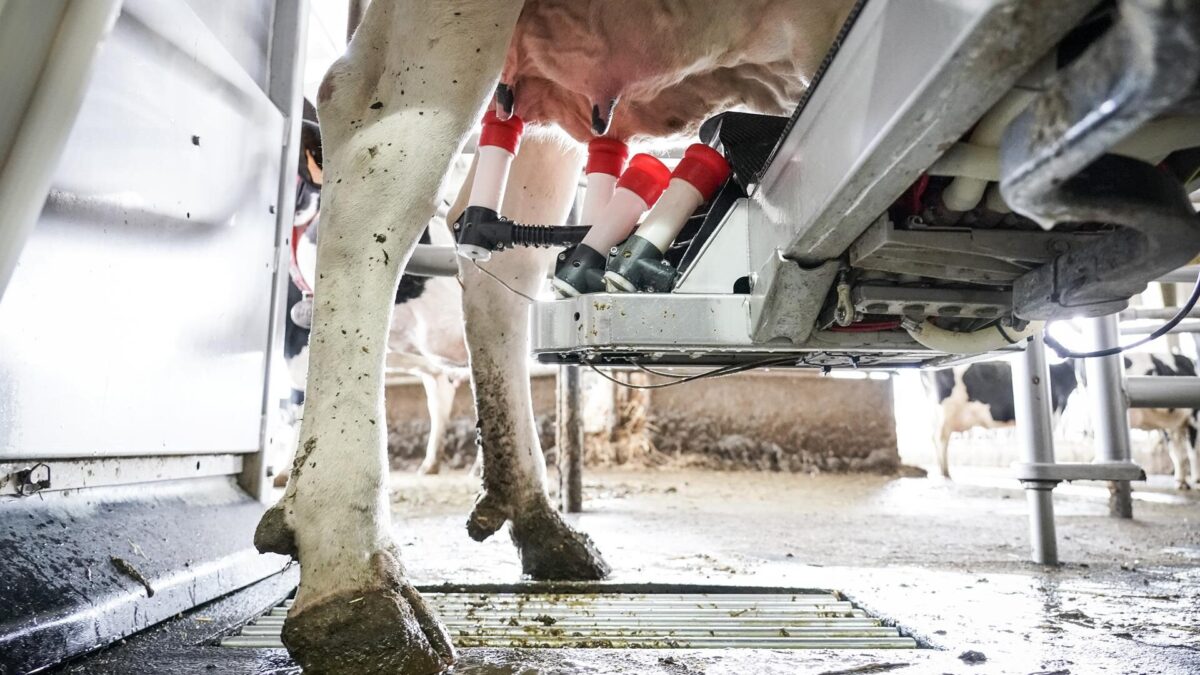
945 560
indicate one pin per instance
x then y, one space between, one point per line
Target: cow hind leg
439 395
1193 454
1176 448
541 188
941 442
394 111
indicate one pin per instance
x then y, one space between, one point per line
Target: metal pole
1162 392
1106 391
569 429
1031 397
289 34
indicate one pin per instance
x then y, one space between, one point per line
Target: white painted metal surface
137 320
49 50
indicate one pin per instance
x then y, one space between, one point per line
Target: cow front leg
541 188
394 111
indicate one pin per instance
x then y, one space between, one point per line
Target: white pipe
491 177
976 342
1154 140
964 193
1150 143
670 213
599 190
26 173
430 260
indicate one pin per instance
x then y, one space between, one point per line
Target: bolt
612 251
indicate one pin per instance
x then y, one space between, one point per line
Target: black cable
718 372
1162 330
659 372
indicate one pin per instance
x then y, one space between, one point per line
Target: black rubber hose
548 235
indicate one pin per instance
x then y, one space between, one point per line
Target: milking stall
583 336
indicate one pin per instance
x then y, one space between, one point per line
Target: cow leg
439 396
1193 454
541 188
394 111
941 442
1176 448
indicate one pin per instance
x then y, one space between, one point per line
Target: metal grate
691 620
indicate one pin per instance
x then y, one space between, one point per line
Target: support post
569 430
1031 396
1110 420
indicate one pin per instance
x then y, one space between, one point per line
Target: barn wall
772 421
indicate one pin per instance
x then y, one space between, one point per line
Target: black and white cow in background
981 395
1176 425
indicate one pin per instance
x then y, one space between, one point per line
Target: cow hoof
273 535
1183 485
551 550
388 630
428 468
488 516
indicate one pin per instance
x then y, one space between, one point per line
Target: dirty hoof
488 516
429 468
273 535
1183 485
551 550
377 631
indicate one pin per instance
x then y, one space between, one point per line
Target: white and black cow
981 395
1177 426
394 111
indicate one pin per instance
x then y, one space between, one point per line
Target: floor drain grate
658 620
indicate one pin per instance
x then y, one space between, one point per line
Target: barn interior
750 436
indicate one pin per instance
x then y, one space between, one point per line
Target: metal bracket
957 254
34 479
1043 472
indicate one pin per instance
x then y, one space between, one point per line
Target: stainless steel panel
244 29
137 320
911 78
688 329
75 474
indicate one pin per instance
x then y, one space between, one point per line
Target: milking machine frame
839 249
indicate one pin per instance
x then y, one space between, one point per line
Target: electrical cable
659 372
1064 352
718 372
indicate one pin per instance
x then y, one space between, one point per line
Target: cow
981 395
1176 426
394 112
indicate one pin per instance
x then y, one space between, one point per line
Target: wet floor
945 561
